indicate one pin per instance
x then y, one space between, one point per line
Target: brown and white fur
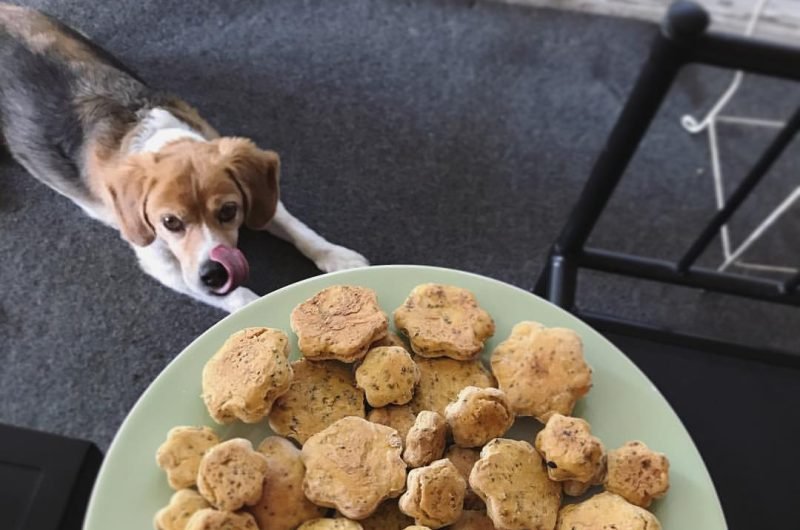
139 160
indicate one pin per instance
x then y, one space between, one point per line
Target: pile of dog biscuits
377 434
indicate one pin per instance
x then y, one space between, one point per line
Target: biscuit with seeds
398 417
210 519
179 456
231 475
391 339
606 510
182 506
479 415
339 323
435 494
511 479
325 523
444 321
570 451
283 505
541 370
637 473
388 376
353 466
426 439
464 459
573 488
243 379
321 393
473 520
387 517
442 379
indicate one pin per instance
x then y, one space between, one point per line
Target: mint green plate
623 404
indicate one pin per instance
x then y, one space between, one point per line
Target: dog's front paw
239 298
338 258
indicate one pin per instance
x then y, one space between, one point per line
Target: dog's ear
129 188
256 172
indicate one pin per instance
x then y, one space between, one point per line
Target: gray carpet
445 133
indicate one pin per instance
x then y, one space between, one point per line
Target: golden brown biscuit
398 417
283 505
391 339
541 370
570 451
243 379
604 511
338 523
573 488
473 520
442 379
511 479
321 393
479 415
231 475
210 519
637 473
435 495
464 459
181 507
353 466
387 517
180 454
426 439
388 376
444 321
339 323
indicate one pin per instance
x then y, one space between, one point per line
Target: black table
45 480
743 416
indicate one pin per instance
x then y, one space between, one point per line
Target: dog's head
192 197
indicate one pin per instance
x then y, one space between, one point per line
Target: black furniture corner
45 480
740 403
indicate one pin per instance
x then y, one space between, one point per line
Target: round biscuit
182 505
435 494
339 323
541 370
282 505
180 454
353 466
511 479
231 475
442 379
321 393
388 376
479 415
444 321
245 376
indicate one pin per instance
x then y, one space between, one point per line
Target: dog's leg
325 255
158 264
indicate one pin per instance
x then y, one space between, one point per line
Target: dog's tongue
235 263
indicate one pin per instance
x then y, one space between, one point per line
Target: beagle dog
142 162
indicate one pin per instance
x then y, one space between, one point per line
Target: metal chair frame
683 39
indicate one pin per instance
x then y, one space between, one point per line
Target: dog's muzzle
228 269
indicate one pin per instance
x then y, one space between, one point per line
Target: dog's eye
227 213
172 223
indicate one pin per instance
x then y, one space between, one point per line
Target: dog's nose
213 274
